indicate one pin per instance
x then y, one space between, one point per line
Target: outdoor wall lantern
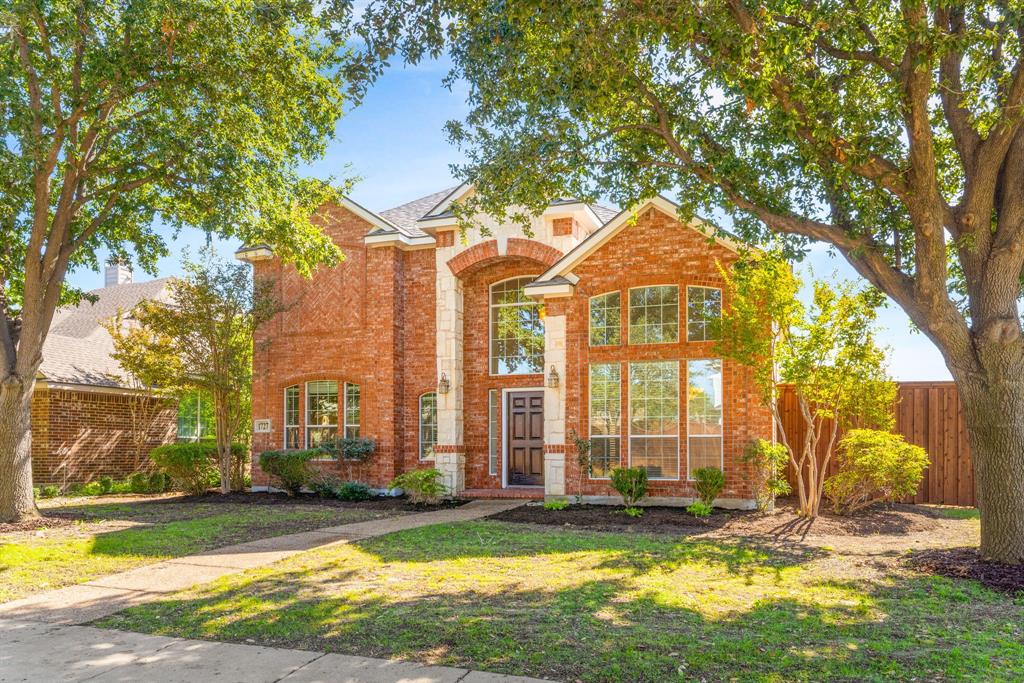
553 378
443 385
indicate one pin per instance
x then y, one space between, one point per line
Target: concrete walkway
33 652
41 638
107 595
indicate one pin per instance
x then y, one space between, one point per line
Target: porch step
517 493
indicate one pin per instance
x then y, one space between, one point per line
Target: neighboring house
86 422
482 357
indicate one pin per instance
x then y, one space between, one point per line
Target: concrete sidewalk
110 594
32 651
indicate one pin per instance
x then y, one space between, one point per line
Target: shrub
36 492
324 485
699 508
556 504
768 460
159 482
138 483
191 465
239 470
634 511
353 491
106 484
354 449
49 491
709 482
631 484
422 486
290 468
874 466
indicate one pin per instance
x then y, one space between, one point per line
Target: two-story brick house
483 355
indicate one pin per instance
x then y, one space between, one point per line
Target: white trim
400 240
284 415
687 316
599 237
590 414
343 418
43 383
721 437
629 413
419 426
554 291
367 215
505 391
453 196
629 317
490 345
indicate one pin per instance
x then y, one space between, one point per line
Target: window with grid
605 419
703 313
654 315
703 414
352 408
654 418
291 417
517 331
493 433
428 425
321 412
605 319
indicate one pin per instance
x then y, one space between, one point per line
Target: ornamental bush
353 491
290 469
874 466
699 509
189 464
630 483
422 486
354 449
768 461
709 482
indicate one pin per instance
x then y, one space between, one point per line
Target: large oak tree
891 130
119 115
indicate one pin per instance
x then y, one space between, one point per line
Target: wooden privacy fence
927 414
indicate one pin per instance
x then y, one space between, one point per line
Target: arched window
517 331
428 425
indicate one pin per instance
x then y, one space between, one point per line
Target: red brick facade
79 436
373 321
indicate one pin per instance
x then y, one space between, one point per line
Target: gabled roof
405 216
561 272
77 349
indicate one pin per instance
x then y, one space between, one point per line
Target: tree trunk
223 438
16 500
994 417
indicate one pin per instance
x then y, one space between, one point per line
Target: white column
450 457
554 406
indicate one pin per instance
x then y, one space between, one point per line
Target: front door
526 438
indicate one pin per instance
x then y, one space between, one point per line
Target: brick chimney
116 273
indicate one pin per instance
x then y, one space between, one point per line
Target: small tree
827 351
583 448
207 327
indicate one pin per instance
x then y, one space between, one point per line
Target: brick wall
79 436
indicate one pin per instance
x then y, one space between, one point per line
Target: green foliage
709 482
874 466
768 462
189 464
353 491
630 483
159 482
583 448
353 449
634 511
423 486
699 508
556 504
49 491
138 483
324 484
290 469
106 484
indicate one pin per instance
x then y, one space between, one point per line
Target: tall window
195 417
605 418
428 425
704 414
654 315
703 311
352 410
654 418
493 433
517 331
321 412
291 417
605 319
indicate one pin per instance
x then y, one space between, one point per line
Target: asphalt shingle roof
78 348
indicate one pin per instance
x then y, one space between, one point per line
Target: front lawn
611 607
78 542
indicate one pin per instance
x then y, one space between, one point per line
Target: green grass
959 513
113 537
609 607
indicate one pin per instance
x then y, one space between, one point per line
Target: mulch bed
36 524
967 563
783 523
266 498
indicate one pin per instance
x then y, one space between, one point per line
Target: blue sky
395 144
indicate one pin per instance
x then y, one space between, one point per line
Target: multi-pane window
654 418
704 414
493 433
351 410
321 412
291 417
428 425
654 315
703 312
517 331
605 418
605 319
195 417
